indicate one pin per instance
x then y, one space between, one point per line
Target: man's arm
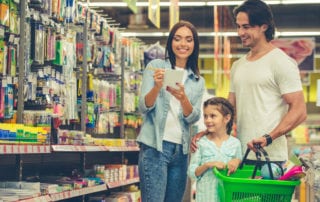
297 113
232 100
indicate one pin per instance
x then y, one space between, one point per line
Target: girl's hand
220 165
209 165
233 165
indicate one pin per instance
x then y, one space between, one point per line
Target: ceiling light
107 4
143 34
311 33
300 2
200 3
204 34
212 34
223 3
230 3
183 4
144 4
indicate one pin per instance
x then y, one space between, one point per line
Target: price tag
40 73
2 149
47 70
15 149
41 148
15 80
34 149
58 76
11 38
16 40
45 90
9 80
53 73
58 28
4 83
29 77
45 19
2 32
29 149
34 78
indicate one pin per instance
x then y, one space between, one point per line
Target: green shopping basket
240 187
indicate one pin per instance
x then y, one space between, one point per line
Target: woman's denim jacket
154 118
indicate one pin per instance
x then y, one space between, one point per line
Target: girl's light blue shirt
208 151
154 118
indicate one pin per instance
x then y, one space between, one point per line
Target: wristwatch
268 138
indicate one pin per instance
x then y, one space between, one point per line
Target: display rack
75 148
44 155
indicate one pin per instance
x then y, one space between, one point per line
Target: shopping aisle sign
318 92
174 12
154 12
132 4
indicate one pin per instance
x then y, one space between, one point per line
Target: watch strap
268 138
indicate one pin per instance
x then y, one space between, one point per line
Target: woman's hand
178 93
194 140
158 77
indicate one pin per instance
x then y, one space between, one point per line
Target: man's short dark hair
259 13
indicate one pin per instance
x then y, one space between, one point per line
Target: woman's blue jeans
163 175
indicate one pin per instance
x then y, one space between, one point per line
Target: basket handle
259 150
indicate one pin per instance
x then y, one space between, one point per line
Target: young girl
215 149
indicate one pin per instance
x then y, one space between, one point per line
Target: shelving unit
72 151
35 160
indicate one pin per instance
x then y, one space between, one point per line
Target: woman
168 113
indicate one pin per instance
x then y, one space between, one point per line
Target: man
265 85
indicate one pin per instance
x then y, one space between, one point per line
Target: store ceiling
292 17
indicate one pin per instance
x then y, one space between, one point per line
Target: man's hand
193 145
260 141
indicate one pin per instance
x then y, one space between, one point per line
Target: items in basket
295 173
276 170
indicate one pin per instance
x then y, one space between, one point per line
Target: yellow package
4 14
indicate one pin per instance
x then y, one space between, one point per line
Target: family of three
265 101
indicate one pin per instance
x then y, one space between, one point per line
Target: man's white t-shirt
258 87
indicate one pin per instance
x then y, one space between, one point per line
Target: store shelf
78 192
77 148
52 160
41 149
38 199
24 149
122 183
81 148
123 149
